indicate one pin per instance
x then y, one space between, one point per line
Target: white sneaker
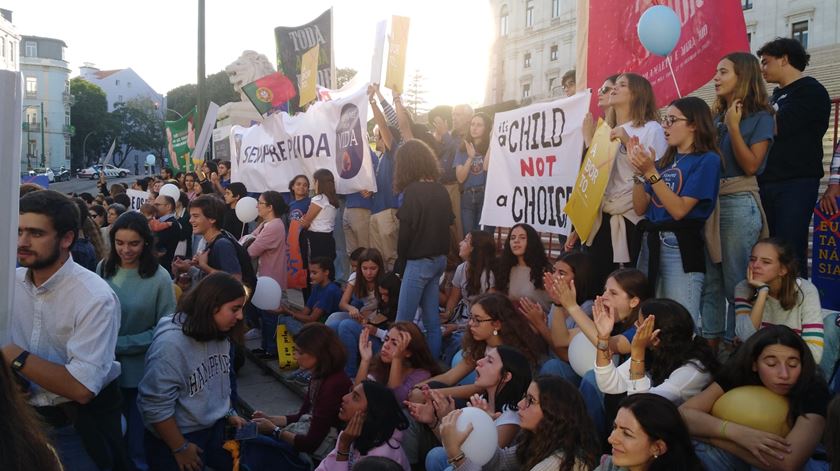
253 334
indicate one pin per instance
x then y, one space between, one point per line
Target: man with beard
63 331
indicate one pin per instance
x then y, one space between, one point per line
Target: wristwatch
276 432
653 179
18 362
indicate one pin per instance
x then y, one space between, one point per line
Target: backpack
249 275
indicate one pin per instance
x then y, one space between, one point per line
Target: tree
343 75
219 90
136 125
89 115
415 100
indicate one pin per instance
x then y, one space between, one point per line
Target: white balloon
581 354
171 191
150 159
267 294
481 444
246 209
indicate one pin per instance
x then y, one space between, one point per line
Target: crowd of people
129 326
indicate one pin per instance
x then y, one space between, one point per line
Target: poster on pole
397 48
330 135
294 41
378 50
534 160
180 142
308 74
585 202
710 30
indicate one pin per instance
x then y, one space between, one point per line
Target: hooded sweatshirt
184 378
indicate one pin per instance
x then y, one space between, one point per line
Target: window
746 4
799 32
529 13
526 90
31 49
527 62
31 87
749 39
553 54
117 83
555 8
503 25
119 99
2 47
551 83
128 84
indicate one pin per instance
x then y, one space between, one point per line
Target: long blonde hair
749 88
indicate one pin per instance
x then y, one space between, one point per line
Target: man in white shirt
64 331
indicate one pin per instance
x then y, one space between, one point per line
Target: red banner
710 30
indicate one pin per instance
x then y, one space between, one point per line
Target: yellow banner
397 45
308 75
585 202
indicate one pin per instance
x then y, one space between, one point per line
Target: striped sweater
805 318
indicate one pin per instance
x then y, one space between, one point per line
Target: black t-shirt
425 217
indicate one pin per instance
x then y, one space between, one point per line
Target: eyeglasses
476 320
604 90
668 121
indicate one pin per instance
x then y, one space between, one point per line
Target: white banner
138 198
535 154
330 135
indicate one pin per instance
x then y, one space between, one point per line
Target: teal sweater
143 302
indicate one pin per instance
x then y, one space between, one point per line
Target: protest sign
138 198
825 258
180 141
585 202
534 161
294 41
330 135
397 47
378 50
308 72
710 30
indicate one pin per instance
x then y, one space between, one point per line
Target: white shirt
684 383
325 220
621 178
73 319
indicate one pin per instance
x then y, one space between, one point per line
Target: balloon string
668 60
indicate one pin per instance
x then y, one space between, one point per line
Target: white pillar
10 133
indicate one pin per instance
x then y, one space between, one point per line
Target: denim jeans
673 282
436 459
71 452
293 325
558 367
419 288
789 206
740 227
717 459
348 331
593 399
472 203
134 430
450 346
160 457
268 329
470 377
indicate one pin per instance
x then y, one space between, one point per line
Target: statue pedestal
232 114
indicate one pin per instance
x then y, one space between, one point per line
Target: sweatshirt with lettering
184 378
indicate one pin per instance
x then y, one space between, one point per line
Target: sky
449 40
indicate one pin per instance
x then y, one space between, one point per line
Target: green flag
180 140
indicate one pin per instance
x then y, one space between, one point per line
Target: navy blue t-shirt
298 208
384 198
476 176
325 298
223 257
693 175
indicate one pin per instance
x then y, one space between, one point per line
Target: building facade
9 40
46 103
535 41
121 85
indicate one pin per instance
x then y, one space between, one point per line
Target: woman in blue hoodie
185 393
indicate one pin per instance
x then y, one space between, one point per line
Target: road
81 185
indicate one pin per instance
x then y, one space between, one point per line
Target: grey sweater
184 378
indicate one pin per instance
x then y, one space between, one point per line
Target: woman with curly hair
522 265
557 433
423 240
666 358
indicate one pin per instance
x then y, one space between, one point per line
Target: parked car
45 172
92 172
61 174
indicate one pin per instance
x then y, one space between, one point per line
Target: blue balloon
659 30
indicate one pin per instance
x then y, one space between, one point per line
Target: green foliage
183 98
343 75
136 125
89 114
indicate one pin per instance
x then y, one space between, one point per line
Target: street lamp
84 156
43 157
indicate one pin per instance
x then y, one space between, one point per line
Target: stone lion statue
250 66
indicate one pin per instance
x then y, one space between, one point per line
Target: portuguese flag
270 92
